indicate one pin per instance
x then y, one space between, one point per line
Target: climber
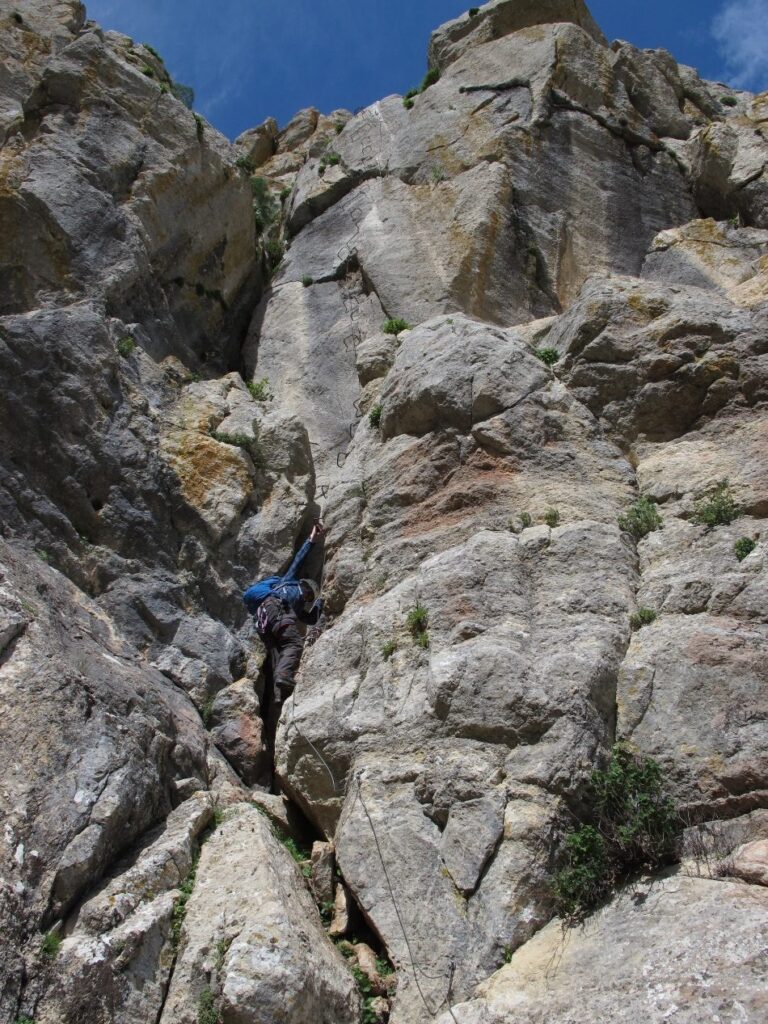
284 606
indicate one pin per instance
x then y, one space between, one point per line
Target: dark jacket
289 591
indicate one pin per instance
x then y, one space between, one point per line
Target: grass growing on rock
249 444
395 325
374 416
552 518
125 346
716 508
259 390
634 826
549 356
744 546
265 207
50 945
641 518
388 649
642 617
206 1008
180 906
417 622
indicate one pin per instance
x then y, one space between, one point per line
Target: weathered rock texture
549 191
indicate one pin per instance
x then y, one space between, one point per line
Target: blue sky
251 59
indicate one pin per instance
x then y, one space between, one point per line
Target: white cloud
740 31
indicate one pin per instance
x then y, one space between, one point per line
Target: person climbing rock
284 606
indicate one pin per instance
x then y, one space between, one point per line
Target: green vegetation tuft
206 1008
147 70
729 101
154 52
329 159
274 250
307 281
24 1020
125 346
221 953
285 194
432 77
549 356
259 390
395 325
265 207
338 127
50 945
184 93
716 508
417 622
180 904
388 649
417 619
525 520
642 617
374 416
634 826
244 441
744 546
245 164
364 987
473 13
199 127
641 518
552 518
206 712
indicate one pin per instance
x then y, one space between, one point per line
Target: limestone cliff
195 364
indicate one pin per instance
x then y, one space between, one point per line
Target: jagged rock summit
470 327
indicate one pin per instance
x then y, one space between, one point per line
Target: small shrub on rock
126 346
307 281
199 127
245 164
635 827
549 356
395 325
184 93
716 508
259 390
744 546
473 12
729 101
374 416
552 518
408 103
432 77
388 649
206 1008
265 208
244 441
641 518
417 622
50 945
418 619
642 617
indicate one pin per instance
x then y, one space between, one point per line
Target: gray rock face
500 17
658 956
76 796
252 941
549 192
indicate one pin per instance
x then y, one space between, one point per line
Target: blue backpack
259 591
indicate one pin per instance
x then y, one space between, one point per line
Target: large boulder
252 943
654 953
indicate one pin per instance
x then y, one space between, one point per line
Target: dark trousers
285 643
